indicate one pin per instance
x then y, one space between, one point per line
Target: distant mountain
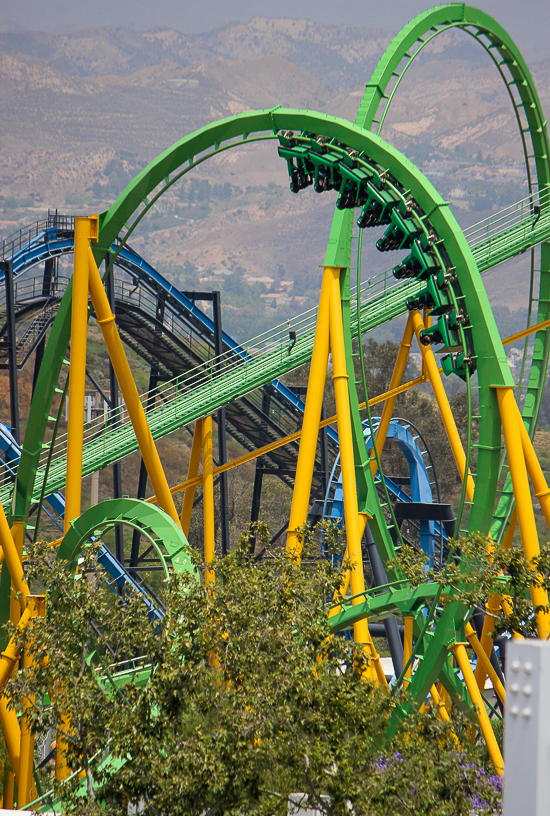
9 26
339 55
83 113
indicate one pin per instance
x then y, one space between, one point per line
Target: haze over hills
338 54
83 113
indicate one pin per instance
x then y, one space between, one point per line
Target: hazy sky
527 20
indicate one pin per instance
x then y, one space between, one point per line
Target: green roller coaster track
388 301
186 398
153 523
498 44
380 298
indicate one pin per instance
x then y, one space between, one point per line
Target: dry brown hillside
83 113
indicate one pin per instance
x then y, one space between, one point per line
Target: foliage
481 568
250 699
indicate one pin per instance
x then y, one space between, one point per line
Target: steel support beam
12 348
143 476
49 267
258 476
215 298
113 391
222 442
393 636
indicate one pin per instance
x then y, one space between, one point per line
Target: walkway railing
218 381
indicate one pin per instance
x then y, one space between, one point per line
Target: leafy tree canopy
248 699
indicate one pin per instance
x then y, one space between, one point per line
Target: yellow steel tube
62 770
363 518
192 471
77 371
518 472
13 560
12 733
106 320
508 536
445 696
26 791
310 423
378 670
508 610
396 377
427 319
442 712
9 791
285 440
16 604
492 608
351 512
538 479
13 540
483 658
444 407
24 795
8 718
407 648
479 707
208 499
10 656
340 593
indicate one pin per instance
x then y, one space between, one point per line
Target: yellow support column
62 770
208 499
12 554
12 734
407 649
192 471
9 791
26 791
524 505
351 513
396 377
492 608
311 420
443 403
16 536
84 229
538 479
10 656
427 323
77 371
340 593
479 707
363 518
439 703
24 795
483 658
106 321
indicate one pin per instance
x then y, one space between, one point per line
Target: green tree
248 700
